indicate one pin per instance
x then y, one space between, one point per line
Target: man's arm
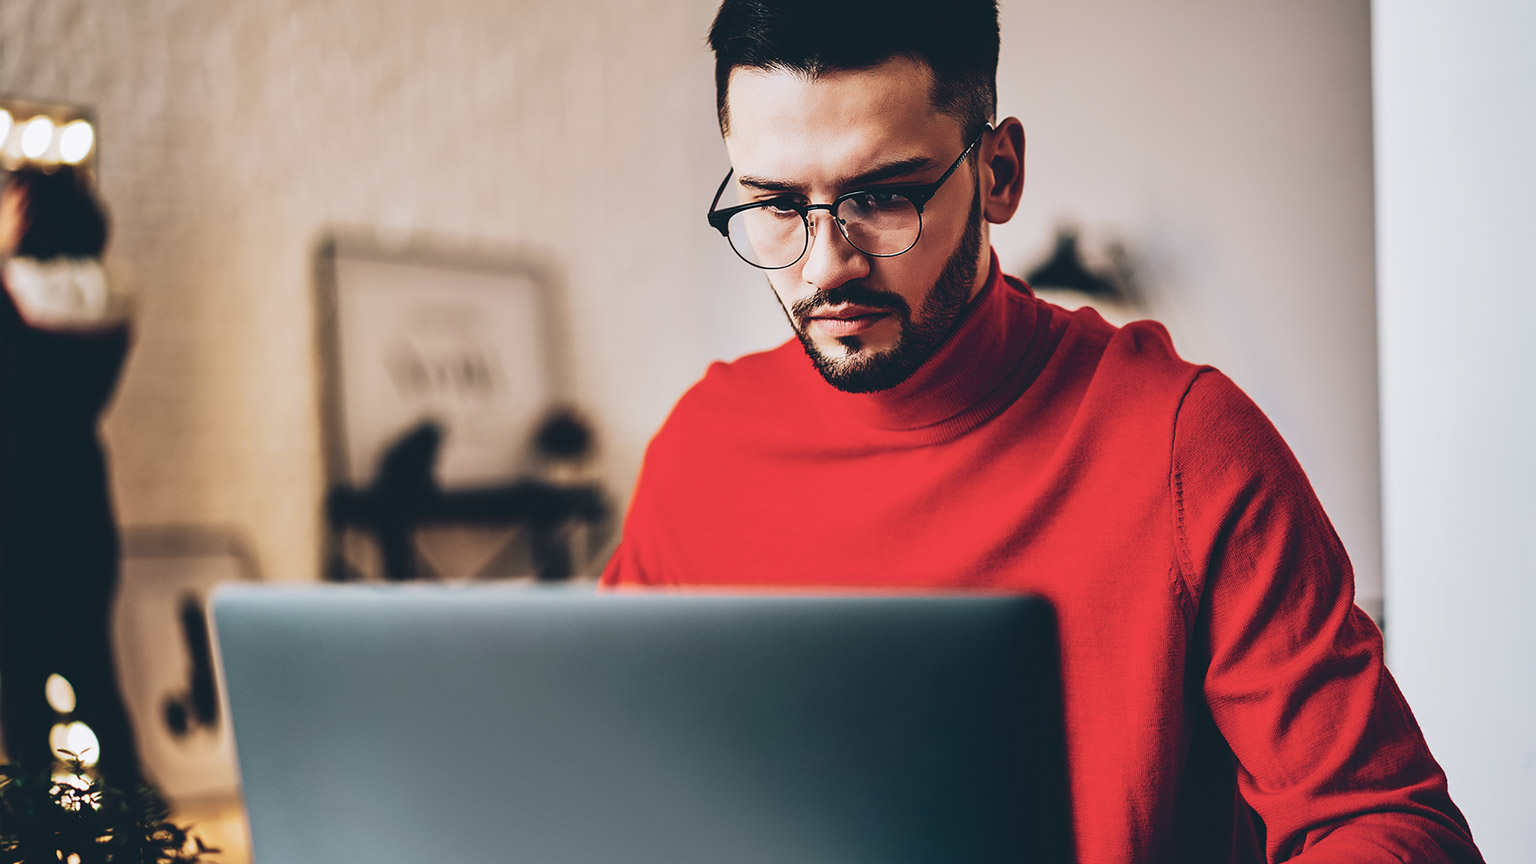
1328 754
623 569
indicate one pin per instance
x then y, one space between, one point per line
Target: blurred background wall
1227 145
240 131
1456 206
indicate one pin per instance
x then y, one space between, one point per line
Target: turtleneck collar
982 367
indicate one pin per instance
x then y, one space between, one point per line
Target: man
1224 698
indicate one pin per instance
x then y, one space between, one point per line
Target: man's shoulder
1134 362
734 394
743 383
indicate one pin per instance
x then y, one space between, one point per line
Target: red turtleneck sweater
1224 698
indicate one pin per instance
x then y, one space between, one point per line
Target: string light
76 141
36 136
46 135
76 738
60 693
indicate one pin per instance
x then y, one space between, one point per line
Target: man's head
958 41
816 102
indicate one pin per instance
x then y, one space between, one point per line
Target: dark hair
957 40
64 217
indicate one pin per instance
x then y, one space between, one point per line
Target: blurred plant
76 819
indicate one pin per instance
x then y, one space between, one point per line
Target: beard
861 370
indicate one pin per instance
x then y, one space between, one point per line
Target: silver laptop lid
494 723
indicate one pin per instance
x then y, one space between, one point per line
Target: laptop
483 723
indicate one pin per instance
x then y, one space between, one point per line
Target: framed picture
438 367
164 656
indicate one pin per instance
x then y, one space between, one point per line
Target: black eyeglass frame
918 193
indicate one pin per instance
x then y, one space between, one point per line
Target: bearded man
1224 698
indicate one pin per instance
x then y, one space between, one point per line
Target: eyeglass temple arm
933 188
720 221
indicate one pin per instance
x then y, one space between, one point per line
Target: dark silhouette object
405 496
64 218
404 483
198 707
59 553
1065 269
564 436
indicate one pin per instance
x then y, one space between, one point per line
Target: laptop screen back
469 724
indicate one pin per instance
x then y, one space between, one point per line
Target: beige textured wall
233 133
1229 142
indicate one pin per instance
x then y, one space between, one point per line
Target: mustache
853 294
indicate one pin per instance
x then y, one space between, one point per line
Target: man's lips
846 313
846 320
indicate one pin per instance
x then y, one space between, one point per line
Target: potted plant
74 818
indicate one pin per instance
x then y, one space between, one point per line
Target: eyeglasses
884 222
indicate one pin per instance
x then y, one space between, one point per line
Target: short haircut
957 40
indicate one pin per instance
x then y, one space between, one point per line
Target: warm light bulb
83 743
75 141
58 738
61 695
76 738
36 136
5 126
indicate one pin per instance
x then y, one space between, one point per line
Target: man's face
866 322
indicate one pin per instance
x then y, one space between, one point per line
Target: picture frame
164 655
429 333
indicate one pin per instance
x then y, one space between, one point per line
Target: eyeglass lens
876 224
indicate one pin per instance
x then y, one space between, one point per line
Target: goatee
864 371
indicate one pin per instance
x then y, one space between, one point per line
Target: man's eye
781 207
876 202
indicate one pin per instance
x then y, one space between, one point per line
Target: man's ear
1002 171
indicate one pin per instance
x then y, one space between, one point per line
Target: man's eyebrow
879 173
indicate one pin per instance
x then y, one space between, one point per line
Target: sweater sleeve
626 569
1328 754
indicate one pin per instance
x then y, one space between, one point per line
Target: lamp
1063 279
40 135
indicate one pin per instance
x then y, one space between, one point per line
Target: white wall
1230 145
1227 143
1456 216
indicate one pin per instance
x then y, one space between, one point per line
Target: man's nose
831 260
